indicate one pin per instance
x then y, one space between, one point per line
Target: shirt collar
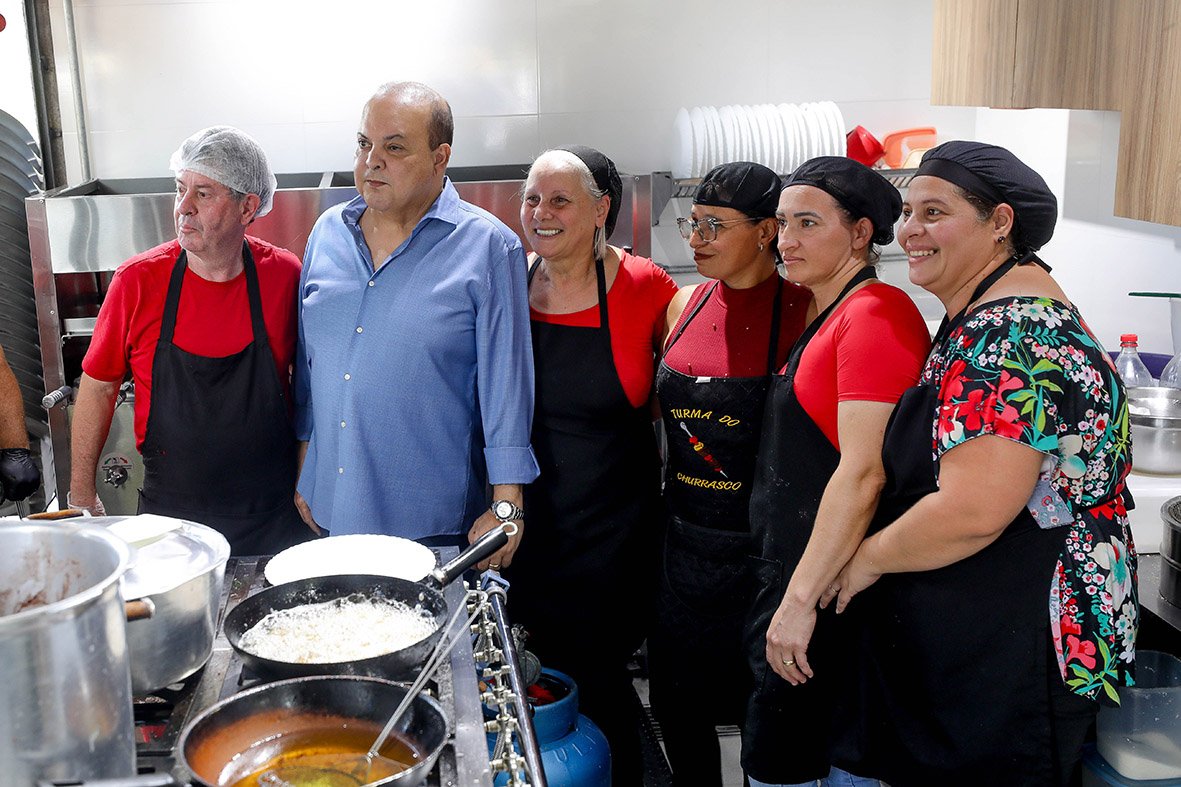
444 208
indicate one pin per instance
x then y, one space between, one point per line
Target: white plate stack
779 136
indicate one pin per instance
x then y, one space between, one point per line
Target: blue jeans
836 778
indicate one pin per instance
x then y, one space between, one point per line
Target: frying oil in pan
333 756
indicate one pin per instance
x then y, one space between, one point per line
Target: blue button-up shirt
414 381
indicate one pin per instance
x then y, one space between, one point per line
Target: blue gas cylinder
574 752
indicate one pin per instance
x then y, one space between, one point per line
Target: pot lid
167 552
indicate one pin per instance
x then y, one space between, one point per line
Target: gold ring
788 662
494 566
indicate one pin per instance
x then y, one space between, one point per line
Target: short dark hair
441 127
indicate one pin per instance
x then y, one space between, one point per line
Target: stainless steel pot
65 696
181 575
1155 418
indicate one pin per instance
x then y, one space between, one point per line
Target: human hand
19 476
87 503
504 556
305 513
856 576
787 641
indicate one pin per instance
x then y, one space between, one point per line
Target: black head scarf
742 185
858 189
607 179
996 175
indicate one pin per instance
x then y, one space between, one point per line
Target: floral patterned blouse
1028 369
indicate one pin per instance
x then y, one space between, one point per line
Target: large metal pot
65 697
181 575
1155 418
241 735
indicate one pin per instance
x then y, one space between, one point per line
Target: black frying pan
426 593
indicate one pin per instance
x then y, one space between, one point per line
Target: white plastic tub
1142 738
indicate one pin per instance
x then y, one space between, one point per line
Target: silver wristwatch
507 510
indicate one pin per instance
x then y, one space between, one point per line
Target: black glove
19 477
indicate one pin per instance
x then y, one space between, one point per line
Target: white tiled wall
521 75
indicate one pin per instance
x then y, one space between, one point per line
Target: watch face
503 509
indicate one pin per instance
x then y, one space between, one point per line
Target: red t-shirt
636 304
729 336
871 349
213 318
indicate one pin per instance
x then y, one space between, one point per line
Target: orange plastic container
899 144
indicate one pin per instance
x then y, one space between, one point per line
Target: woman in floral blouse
1000 581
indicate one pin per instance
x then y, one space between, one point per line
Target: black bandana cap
742 185
607 179
996 175
858 189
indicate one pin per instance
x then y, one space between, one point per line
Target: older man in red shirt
206 325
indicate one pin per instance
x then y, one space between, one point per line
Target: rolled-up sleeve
504 364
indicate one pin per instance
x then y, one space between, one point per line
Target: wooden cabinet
1122 55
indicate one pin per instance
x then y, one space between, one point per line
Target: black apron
583 579
787 737
956 673
712 428
219 448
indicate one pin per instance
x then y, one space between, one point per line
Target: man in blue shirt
414 373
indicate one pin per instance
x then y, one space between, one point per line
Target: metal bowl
1155 418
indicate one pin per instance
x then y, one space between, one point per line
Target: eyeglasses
706 228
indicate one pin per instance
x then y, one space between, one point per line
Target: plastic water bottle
1133 371
1171 376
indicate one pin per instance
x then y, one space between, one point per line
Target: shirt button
348 377
340 470
342 424
360 329
370 284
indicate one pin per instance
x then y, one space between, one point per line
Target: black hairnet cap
858 189
995 174
607 179
742 185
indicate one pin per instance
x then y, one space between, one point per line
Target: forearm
93 408
936 532
848 504
12 410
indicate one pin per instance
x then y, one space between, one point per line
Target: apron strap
600 280
254 293
176 280
172 299
696 308
772 339
867 273
950 323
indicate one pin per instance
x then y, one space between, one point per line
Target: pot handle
484 546
139 609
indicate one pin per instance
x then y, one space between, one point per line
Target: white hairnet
232 158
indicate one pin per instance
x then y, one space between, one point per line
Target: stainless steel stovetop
160 718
